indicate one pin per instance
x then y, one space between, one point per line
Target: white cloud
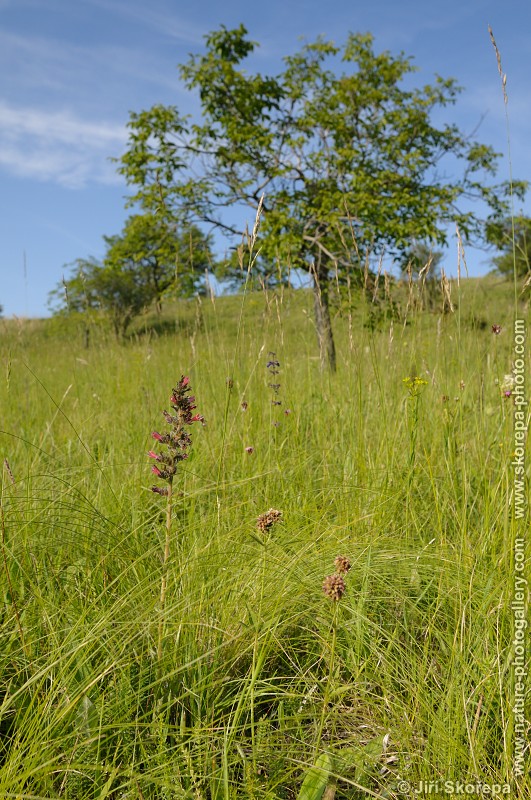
58 146
59 68
163 21
58 126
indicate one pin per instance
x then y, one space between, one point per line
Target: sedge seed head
268 519
342 565
334 587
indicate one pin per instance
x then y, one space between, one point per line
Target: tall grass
404 678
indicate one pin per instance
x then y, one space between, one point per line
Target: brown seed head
342 565
267 520
334 587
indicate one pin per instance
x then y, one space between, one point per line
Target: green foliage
316 779
513 238
163 258
148 261
348 161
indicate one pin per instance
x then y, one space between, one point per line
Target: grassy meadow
264 688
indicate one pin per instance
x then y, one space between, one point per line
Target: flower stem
164 579
329 679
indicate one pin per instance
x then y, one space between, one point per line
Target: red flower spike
177 440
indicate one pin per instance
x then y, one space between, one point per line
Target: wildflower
163 490
414 385
507 393
244 405
412 382
177 441
462 385
267 520
342 565
334 587
287 411
508 383
496 329
273 367
249 450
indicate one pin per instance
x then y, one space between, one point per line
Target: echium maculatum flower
177 440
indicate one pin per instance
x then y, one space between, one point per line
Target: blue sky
72 70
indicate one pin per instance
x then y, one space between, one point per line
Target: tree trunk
323 323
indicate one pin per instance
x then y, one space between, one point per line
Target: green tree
161 256
515 251
348 163
151 258
96 286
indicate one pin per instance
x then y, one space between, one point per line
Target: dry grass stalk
503 76
460 256
256 225
446 293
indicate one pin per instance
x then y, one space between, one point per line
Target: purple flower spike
177 440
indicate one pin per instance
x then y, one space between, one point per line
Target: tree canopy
343 150
149 260
513 238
